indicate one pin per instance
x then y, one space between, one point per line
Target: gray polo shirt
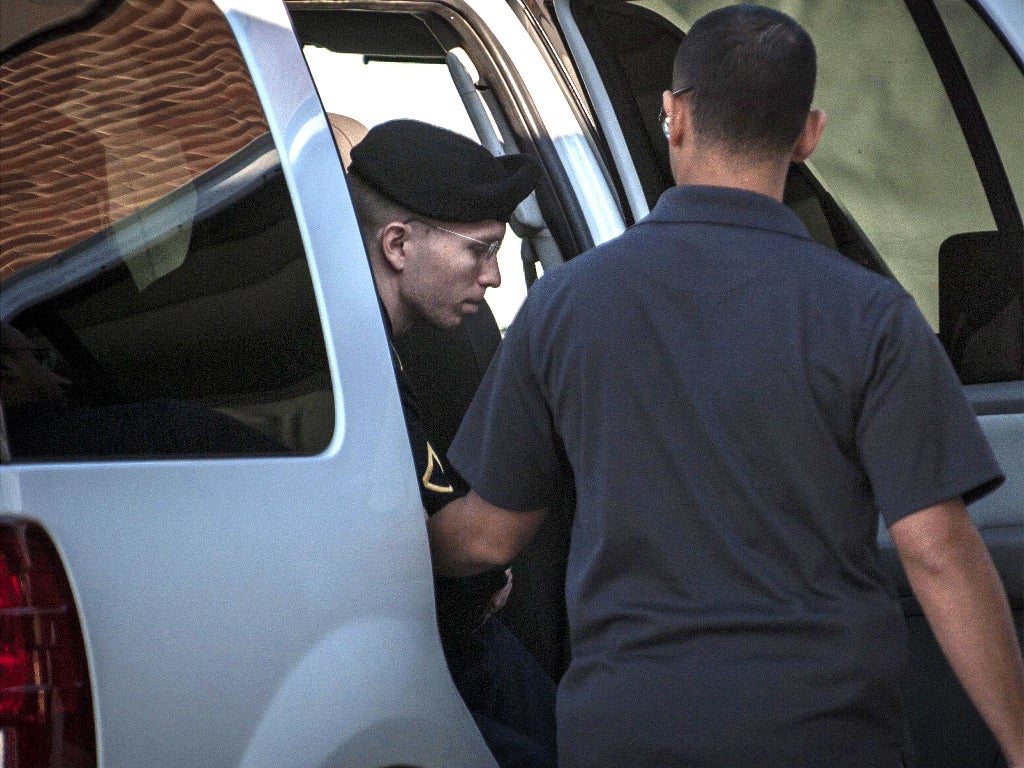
735 405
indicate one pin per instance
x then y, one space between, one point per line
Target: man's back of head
750 71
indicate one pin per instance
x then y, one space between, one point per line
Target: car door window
996 81
156 298
899 177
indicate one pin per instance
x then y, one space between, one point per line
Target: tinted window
996 80
156 300
904 179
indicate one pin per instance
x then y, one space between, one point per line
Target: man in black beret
432 207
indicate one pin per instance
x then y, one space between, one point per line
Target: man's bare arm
957 585
470 535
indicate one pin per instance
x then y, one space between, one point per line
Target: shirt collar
726 205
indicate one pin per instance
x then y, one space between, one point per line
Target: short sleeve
507 447
917 436
436 488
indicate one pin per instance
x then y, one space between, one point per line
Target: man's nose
490 275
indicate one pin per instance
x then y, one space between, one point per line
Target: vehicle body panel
244 612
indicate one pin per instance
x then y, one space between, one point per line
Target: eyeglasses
492 246
662 117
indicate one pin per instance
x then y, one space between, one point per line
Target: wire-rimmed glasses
492 246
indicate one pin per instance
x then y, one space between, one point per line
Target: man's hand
957 585
499 598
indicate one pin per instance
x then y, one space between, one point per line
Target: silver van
212 550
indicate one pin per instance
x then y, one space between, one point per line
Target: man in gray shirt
735 406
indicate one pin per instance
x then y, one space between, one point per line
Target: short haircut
373 210
752 71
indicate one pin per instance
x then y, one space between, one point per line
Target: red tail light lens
46 717
15 665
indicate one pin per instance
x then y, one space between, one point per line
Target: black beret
442 174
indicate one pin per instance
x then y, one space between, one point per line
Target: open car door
920 175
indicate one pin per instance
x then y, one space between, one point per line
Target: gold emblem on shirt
434 467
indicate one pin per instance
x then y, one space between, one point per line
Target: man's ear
814 126
678 117
394 239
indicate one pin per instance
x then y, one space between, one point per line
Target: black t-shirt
462 603
738 405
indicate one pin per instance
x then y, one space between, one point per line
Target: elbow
488 552
471 555
459 553
470 535
929 557
933 542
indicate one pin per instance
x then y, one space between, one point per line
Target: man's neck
398 316
715 169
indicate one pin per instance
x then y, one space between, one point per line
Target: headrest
347 133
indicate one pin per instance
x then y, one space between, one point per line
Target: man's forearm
469 535
957 585
452 547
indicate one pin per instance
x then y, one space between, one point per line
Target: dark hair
752 71
373 210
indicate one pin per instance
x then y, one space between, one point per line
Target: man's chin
454 320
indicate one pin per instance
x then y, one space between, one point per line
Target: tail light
46 717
